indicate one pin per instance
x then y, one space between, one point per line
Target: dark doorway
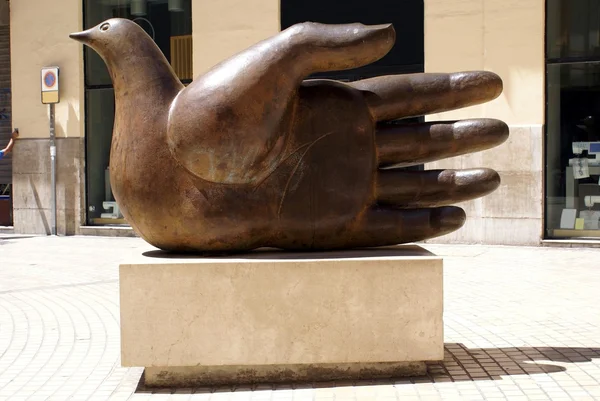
407 16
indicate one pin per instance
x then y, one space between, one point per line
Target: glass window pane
573 29
99 126
573 150
168 22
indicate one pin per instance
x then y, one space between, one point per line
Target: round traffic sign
49 79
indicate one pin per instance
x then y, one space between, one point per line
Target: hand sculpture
251 154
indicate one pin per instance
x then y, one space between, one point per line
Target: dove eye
104 27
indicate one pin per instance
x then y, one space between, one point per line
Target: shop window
573 119
169 23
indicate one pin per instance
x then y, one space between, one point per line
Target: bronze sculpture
252 155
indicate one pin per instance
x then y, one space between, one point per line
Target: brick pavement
520 324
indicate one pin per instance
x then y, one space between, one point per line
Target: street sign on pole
50 96
50 87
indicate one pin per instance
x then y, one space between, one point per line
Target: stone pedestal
280 317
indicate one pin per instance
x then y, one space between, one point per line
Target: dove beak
82 37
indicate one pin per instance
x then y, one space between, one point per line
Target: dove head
132 57
113 38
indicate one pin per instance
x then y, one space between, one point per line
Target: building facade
547 53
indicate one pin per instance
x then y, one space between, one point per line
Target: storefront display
573 119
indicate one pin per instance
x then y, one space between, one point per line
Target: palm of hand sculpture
251 154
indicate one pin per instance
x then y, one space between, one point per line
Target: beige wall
39 37
503 36
46 45
225 27
506 37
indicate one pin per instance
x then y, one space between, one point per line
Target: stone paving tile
520 324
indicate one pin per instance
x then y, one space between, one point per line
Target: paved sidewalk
520 324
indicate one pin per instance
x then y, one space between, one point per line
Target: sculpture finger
400 96
383 226
320 47
413 144
434 188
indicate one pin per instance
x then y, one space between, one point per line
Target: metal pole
53 168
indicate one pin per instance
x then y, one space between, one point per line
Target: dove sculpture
253 154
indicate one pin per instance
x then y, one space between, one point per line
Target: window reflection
573 29
573 118
573 150
168 22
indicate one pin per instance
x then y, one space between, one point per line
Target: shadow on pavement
276 254
460 364
6 238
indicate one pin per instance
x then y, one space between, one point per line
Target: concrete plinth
282 317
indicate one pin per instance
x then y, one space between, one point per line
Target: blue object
49 79
594 147
1 154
